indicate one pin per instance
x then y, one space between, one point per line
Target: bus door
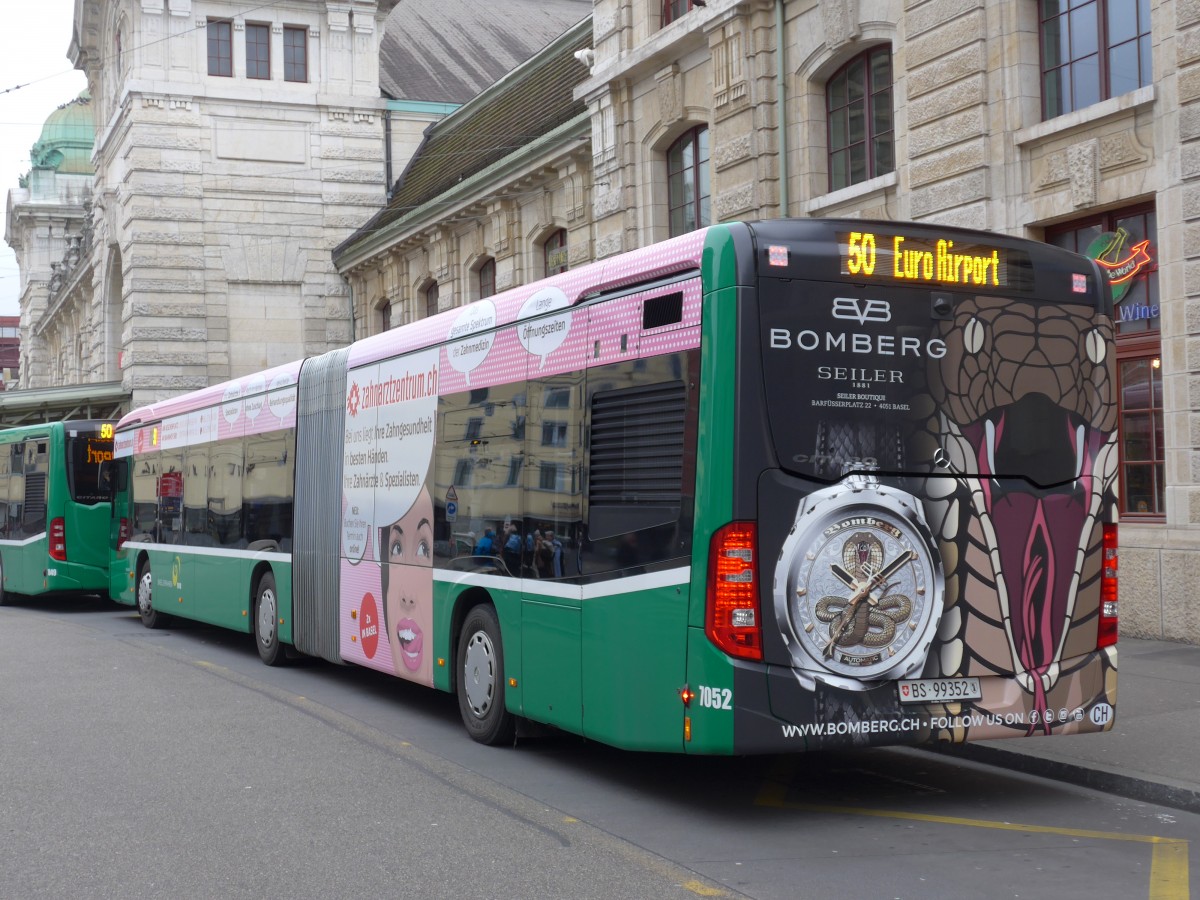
120 581
86 512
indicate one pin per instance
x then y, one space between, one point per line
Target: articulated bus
56 512
761 488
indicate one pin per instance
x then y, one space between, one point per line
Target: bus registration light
58 540
731 614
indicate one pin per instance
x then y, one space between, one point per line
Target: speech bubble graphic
544 334
466 348
231 403
253 390
282 398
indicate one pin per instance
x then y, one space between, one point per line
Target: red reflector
122 532
1109 618
58 540
733 621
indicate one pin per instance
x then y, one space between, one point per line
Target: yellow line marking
703 890
1168 861
1169 871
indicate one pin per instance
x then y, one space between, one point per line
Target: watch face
858 591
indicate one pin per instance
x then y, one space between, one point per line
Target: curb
1099 779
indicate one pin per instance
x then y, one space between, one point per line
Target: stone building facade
980 113
233 147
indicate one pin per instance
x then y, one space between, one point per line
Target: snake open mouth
1039 491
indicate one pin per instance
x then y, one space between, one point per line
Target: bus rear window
85 453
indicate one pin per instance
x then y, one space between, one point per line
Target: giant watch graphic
859 586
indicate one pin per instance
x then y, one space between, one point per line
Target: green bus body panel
710 674
631 682
87 528
121 576
211 589
550 666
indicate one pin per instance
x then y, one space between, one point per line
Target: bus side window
225 465
642 430
267 488
16 490
170 498
145 502
33 518
195 496
5 477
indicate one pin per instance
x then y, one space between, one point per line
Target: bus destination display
904 259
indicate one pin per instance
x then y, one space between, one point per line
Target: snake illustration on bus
765 487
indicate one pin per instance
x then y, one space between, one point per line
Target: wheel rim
143 593
266 617
479 673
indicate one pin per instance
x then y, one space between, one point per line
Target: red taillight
1108 590
732 618
58 540
122 532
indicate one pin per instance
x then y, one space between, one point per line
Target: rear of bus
917 542
56 520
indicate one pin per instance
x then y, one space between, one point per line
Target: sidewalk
1153 751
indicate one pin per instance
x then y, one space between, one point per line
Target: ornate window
554 252
1092 50
858 108
687 182
431 300
295 54
220 48
486 276
258 51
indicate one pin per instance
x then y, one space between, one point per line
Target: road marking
1168 858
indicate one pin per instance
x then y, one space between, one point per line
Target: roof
533 101
447 51
66 140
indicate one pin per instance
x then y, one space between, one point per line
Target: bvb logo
175 567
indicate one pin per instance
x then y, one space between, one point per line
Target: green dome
67 137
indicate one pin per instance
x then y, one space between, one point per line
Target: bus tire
266 622
480 682
151 617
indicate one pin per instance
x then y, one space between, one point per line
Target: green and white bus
55 520
765 487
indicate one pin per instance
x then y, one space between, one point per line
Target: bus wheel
480 683
266 622
151 617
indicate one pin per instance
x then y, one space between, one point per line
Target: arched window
486 275
431 300
858 105
383 317
554 252
687 182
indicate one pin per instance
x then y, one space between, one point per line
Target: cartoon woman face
407 573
